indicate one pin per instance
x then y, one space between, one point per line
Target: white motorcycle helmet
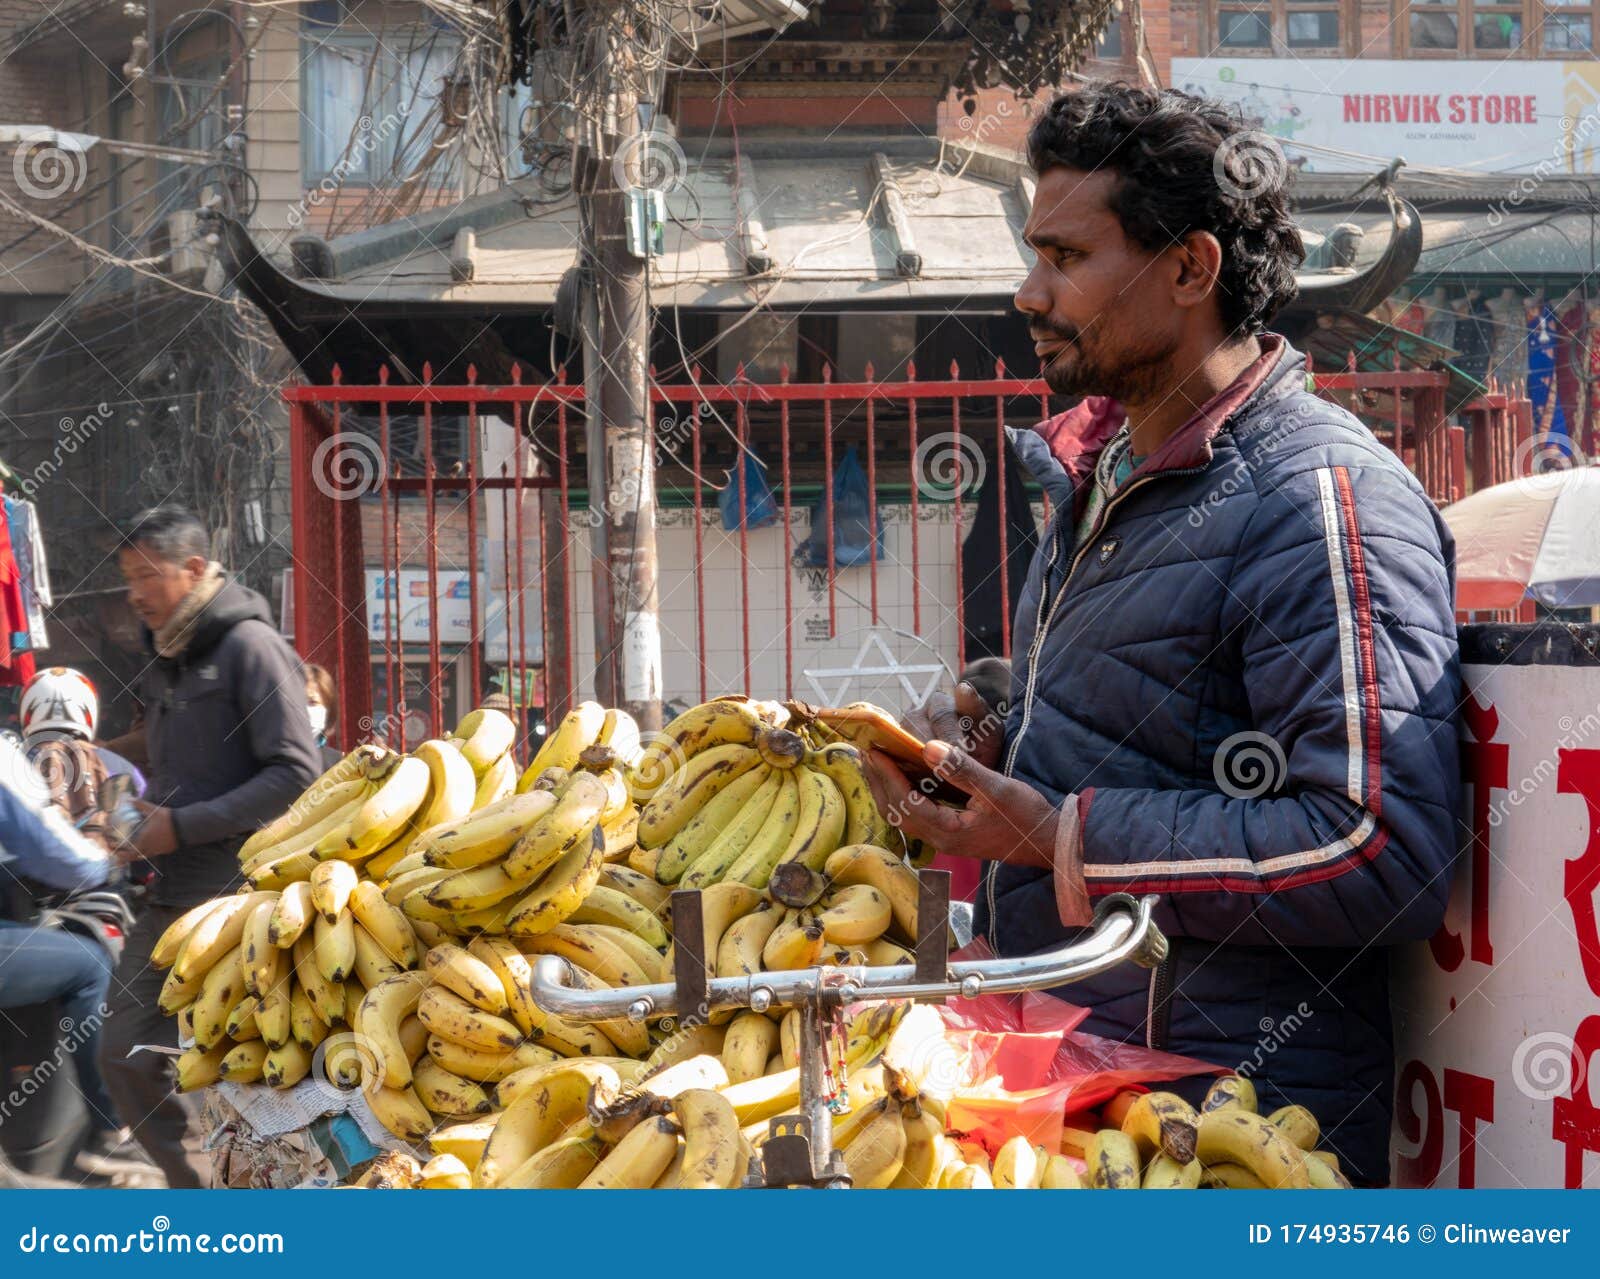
60 701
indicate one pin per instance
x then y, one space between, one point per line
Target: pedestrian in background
229 744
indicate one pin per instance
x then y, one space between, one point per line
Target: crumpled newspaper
251 1147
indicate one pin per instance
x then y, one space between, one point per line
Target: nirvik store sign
1348 115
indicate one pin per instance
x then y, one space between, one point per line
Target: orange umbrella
1536 537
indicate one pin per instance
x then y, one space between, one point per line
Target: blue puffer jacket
1249 674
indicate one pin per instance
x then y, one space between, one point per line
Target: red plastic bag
1044 1065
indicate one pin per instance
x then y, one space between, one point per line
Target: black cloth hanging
980 556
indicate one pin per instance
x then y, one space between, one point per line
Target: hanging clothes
16 663
27 544
1549 422
981 605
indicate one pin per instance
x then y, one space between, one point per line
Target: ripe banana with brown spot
1163 1172
919 1167
333 946
401 1111
796 943
640 887
573 818
562 1165
1113 1161
1162 1121
880 869
700 780
739 951
379 1019
554 1106
578 730
286 1065
711 1154
751 1039
1017 1165
452 784
260 953
1230 1090
243 1062
560 890
854 915
331 885
445 1013
382 815
484 735
1060 1174
199 1068
511 966
606 905
485 836
487 1067
327 997
846 768
306 1026
701 832
701 728
821 824
220 991
1231 1134
1298 1124
636 1161
765 849
327 794
467 975
445 1093
386 925
214 935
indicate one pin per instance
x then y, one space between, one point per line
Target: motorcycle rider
42 964
60 712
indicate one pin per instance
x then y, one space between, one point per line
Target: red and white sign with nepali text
1497 1018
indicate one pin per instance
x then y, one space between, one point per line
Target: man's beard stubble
1132 376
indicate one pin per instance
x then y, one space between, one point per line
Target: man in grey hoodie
228 747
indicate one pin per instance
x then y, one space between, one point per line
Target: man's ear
196 564
1199 261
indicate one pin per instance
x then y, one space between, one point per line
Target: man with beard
1235 661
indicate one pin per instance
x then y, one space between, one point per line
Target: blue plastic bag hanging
759 507
853 538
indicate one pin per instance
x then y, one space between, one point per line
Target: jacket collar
1061 451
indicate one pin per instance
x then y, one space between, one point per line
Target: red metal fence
356 448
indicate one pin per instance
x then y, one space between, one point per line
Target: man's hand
965 719
155 836
1005 820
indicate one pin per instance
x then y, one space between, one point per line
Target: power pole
616 372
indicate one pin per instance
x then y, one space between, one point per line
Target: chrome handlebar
1124 930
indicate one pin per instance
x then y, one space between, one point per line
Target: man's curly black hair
1184 164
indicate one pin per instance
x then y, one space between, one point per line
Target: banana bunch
267 983
1158 1141
587 725
369 808
525 864
728 794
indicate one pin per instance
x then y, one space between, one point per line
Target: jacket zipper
1160 1001
1042 624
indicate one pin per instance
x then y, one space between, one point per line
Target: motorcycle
44 1122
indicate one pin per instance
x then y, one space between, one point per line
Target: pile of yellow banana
262 981
1158 1141
728 794
692 1114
